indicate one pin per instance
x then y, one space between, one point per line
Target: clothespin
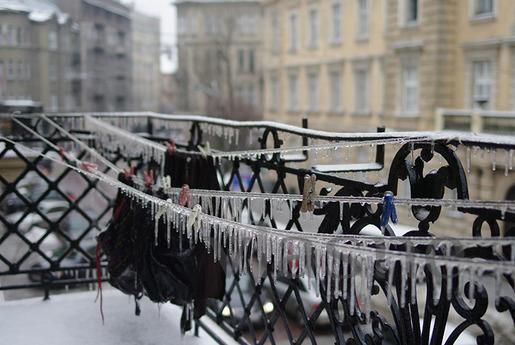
88 166
62 154
309 192
194 219
128 172
389 211
205 151
148 178
184 195
171 147
166 182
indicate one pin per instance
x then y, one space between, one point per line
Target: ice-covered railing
130 144
499 148
322 258
211 124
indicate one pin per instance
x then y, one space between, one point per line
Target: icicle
472 283
352 283
510 160
336 273
341 210
404 273
302 259
413 281
391 270
268 249
506 163
494 159
329 274
468 159
345 266
317 269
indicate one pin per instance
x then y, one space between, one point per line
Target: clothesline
141 196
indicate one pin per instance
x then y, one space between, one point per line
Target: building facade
353 65
146 62
105 53
220 56
325 60
37 55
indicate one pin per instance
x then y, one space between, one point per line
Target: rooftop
37 10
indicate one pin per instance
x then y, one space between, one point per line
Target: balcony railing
477 121
283 309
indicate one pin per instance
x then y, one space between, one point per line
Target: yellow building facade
353 65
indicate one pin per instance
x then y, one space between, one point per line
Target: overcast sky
164 10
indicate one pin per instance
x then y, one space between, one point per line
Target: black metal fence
272 311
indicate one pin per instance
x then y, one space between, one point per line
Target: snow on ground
75 319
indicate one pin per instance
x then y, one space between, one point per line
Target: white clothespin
205 151
194 218
166 182
308 194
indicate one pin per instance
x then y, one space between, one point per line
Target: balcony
476 121
51 214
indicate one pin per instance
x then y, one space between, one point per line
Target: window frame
313 28
313 80
335 107
365 110
334 38
293 94
485 82
362 35
293 32
474 16
405 109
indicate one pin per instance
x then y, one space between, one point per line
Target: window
482 83
10 70
410 12
20 70
121 38
241 60
293 96
409 94
336 92
54 103
209 24
52 72
313 92
11 34
293 33
483 8
52 40
361 91
362 22
313 28
252 63
274 94
336 32
275 33
28 71
251 95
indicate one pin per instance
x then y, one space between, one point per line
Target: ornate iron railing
277 310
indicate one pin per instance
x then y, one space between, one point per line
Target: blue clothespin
389 211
